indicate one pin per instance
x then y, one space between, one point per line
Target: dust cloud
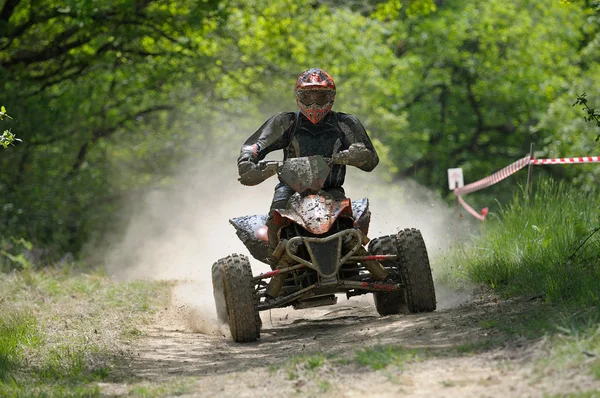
177 234
406 204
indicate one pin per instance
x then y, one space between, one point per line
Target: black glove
356 155
245 166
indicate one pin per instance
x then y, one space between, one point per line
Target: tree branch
457 153
18 31
46 54
474 104
105 132
8 9
64 76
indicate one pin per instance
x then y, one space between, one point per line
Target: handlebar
263 164
266 169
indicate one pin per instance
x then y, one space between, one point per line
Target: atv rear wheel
416 271
238 295
389 303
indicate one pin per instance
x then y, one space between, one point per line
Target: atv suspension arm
379 257
284 300
277 272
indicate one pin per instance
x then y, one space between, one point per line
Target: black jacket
297 137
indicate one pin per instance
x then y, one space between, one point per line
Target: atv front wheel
416 272
219 290
389 303
238 294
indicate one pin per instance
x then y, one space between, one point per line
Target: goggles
319 97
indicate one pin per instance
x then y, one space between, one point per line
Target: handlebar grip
255 177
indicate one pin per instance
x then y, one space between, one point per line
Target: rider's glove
245 166
356 155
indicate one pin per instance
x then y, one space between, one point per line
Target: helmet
315 92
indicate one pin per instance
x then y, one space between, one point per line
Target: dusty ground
458 355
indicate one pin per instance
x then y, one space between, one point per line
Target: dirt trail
451 367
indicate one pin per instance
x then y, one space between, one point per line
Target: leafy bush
14 254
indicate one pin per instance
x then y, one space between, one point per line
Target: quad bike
320 252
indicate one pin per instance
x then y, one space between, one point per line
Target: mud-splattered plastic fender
361 214
252 230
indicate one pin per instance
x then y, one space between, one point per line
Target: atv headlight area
325 253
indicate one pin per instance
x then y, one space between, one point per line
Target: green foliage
13 254
546 246
392 8
592 115
478 74
7 138
84 74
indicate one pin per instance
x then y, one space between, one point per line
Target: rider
314 130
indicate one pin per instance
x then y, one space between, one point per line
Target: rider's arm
271 136
355 133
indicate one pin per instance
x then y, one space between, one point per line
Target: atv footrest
373 286
315 302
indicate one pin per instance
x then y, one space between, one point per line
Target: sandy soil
213 365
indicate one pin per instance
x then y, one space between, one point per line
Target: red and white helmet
315 93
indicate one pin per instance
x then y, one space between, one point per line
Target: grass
574 349
545 246
18 329
381 357
309 373
62 332
544 251
300 366
172 388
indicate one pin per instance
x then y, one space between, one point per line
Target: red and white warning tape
471 210
585 159
507 172
494 178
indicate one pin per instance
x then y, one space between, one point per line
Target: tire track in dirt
349 325
220 367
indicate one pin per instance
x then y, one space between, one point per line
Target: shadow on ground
339 331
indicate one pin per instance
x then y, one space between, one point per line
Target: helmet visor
310 97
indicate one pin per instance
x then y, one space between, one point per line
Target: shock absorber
283 261
377 270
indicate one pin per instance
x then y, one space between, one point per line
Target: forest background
108 97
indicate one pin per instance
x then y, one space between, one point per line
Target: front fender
252 231
315 213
